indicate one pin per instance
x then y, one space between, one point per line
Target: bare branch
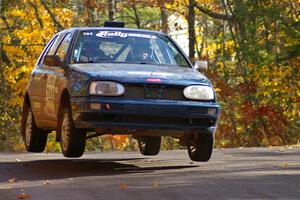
213 14
36 13
0 5
57 24
136 15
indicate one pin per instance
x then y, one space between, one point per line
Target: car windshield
104 46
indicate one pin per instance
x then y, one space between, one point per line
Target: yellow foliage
24 44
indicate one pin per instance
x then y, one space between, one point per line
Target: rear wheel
200 146
72 139
35 139
149 145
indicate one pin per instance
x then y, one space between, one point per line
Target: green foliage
259 90
9 123
253 49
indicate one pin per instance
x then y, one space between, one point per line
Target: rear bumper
112 113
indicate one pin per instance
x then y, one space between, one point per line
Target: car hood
139 72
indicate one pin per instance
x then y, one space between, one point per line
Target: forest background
253 49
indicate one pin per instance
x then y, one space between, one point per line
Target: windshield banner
123 34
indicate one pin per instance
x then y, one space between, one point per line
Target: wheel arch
64 98
27 99
26 106
63 102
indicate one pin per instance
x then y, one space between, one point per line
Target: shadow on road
59 169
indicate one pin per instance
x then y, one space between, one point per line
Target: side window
63 47
54 46
48 47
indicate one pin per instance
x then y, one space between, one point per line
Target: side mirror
53 60
201 65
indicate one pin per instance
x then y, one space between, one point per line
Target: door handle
45 75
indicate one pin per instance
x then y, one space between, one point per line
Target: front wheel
200 146
72 139
35 139
149 145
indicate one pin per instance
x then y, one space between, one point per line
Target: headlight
199 92
106 88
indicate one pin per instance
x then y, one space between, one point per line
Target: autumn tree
252 47
256 69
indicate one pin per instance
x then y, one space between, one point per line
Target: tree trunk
136 17
191 28
111 10
164 18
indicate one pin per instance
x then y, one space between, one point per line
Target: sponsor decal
51 91
87 33
37 106
108 34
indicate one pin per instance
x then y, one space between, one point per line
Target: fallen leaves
23 196
123 186
285 164
282 149
46 182
12 180
156 184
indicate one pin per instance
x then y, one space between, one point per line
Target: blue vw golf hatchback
90 82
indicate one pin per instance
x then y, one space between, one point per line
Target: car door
56 80
37 85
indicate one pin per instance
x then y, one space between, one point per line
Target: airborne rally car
90 82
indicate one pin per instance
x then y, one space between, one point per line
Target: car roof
111 29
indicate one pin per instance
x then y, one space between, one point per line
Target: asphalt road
244 173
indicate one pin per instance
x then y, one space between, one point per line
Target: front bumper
111 113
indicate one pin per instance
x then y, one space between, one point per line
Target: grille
164 120
158 120
154 92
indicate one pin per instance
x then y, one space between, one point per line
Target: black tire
200 146
149 145
72 140
35 139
